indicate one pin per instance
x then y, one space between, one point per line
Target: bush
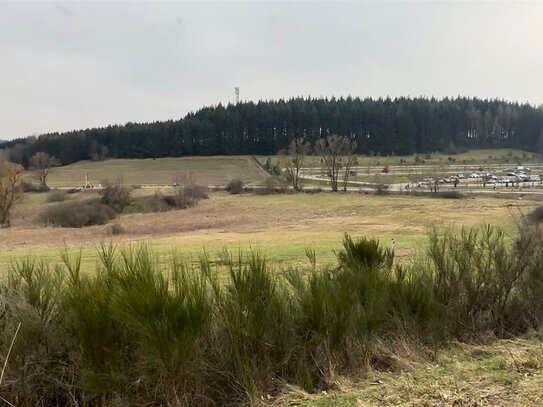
272 185
185 197
196 192
56 196
30 187
153 203
78 214
472 276
180 200
536 216
235 187
450 195
116 196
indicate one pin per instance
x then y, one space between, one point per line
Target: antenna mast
237 94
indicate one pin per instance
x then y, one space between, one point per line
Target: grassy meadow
161 171
280 226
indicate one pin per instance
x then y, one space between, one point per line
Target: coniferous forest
380 126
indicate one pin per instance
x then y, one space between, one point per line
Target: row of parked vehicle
513 175
520 174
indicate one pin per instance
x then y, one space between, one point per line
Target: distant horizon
539 106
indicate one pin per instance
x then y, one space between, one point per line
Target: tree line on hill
378 126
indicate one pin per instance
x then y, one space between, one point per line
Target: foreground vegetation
501 373
238 332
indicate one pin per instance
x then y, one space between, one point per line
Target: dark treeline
379 126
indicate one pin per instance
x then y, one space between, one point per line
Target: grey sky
67 65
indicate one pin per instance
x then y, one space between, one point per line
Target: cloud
65 11
82 64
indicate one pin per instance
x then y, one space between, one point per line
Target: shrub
536 216
56 196
153 203
253 314
116 196
272 185
472 276
196 192
528 307
235 187
78 214
185 197
335 309
180 200
30 187
450 195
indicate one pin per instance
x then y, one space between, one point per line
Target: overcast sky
68 65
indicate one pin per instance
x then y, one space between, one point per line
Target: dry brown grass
281 225
502 373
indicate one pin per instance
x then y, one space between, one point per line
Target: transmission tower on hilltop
237 94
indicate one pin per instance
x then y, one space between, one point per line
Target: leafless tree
11 177
338 157
296 153
42 163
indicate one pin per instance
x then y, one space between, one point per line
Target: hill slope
162 171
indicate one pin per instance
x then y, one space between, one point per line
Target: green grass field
160 171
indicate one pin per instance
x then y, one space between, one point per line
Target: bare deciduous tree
11 178
296 152
337 154
41 163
